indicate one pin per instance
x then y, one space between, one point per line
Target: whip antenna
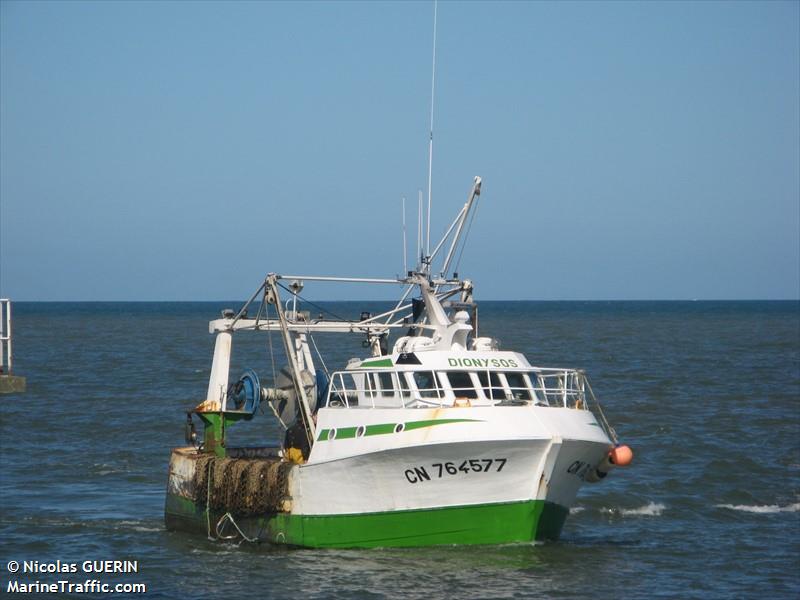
419 229
405 248
430 139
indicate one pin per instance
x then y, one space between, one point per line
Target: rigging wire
319 355
272 361
466 236
260 310
325 310
608 428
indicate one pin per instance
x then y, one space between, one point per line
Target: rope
272 361
277 416
271 350
607 426
208 501
298 385
319 355
221 524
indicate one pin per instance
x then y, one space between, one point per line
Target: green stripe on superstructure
420 424
499 523
384 362
344 433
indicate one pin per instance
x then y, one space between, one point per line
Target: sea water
706 393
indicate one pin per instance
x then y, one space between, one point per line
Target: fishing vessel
437 436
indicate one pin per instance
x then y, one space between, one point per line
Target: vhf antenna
419 230
430 139
405 246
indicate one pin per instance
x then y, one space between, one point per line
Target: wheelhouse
424 387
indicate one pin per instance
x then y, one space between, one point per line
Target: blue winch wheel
245 395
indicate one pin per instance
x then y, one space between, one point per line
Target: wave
763 508
138 526
576 509
651 509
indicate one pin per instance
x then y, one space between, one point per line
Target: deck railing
562 387
567 388
390 389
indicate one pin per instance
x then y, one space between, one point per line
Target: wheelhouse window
386 383
518 386
491 384
538 388
405 391
408 388
427 384
462 385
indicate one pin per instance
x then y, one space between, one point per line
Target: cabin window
495 391
386 383
462 384
371 385
404 389
538 388
518 386
344 389
427 384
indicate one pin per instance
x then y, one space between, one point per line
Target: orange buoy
621 456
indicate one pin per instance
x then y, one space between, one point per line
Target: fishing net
242 486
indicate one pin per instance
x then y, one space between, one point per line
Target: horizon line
393 300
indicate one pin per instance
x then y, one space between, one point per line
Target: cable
221 524
307 301
466 236
319 355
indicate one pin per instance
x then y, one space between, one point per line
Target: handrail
568 388
6 355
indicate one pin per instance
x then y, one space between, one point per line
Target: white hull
496 454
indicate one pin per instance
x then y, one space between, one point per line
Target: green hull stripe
482 524
380 429
343 433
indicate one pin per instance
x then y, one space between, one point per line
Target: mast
305 407
474 193
419 229
430 139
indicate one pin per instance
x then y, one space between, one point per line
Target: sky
181 151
